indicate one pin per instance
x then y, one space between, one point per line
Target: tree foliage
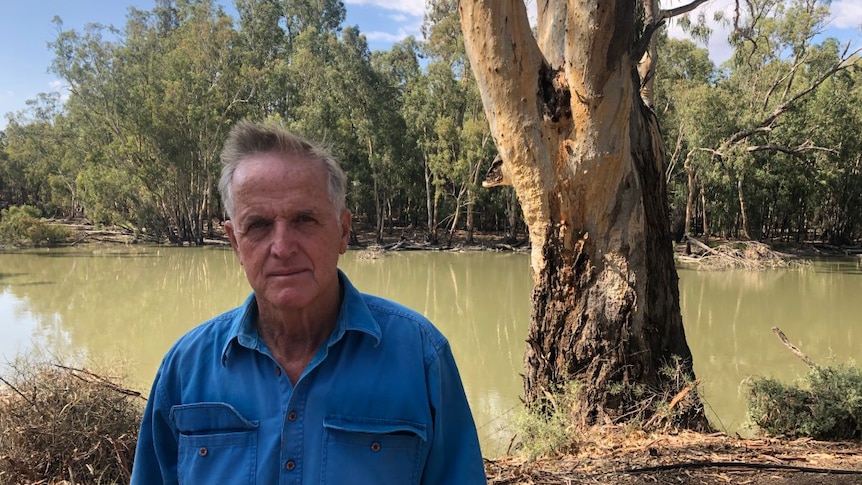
762 145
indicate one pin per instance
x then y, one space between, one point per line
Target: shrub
22 225
553 424
548 427
826 405
59 423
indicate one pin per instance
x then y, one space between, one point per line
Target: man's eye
303 219
256 225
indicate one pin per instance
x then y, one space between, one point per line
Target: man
309 381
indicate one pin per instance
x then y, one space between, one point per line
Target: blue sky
26 28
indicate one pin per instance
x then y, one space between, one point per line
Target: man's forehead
276 158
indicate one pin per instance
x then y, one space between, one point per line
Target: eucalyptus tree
158 99
371 108
265 53
40 163
585 156
833 116
404 81
463 144
684 76
419 119
275 33
777 64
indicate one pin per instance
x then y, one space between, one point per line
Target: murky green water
131 304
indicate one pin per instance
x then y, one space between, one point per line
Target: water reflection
729 316
481 302
129 305
134 303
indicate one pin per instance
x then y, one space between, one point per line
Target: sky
26 28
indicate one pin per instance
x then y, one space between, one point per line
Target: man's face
286 231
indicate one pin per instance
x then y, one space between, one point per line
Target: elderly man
309 381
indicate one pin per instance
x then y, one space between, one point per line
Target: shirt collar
353 315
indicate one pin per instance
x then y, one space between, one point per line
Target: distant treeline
765 146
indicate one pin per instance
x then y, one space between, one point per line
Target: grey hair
247 138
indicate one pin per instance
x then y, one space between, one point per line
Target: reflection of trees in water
728 318
481 302
131 303
136 303
24 332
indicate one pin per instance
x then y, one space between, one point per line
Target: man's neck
293 337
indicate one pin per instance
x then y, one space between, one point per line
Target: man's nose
283 240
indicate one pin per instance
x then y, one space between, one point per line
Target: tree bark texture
585 157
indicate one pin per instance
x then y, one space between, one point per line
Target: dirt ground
614 457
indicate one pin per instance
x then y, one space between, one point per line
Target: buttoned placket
292 432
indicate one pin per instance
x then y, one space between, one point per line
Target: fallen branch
793 348
102 381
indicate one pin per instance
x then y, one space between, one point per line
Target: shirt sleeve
455 456
156 452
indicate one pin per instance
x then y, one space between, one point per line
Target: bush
554 425
22 225
827 405
548 427
59 423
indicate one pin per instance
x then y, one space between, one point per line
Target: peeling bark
586 160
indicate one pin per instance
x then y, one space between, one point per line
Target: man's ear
346 222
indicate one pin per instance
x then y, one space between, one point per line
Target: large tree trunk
585 157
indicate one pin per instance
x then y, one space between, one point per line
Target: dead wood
796 351
750 255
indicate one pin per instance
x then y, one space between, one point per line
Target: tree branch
795 151
675 12
643 42
767 122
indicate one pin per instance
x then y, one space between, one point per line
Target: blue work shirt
380 403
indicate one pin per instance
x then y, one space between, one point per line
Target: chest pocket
371 451
216 444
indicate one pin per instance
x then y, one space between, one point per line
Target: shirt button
202 451
291 416
290 465
375 446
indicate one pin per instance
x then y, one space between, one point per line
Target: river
127 305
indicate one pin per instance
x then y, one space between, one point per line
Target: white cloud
60 87
846 14
719 49
398 17
412 7
385 36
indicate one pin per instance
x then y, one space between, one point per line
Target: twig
101 380
17 391
681 394
793 348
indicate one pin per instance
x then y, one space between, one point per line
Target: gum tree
584 154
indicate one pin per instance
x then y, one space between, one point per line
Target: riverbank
612 455
412 239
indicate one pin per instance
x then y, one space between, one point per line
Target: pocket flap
207 417
356 424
